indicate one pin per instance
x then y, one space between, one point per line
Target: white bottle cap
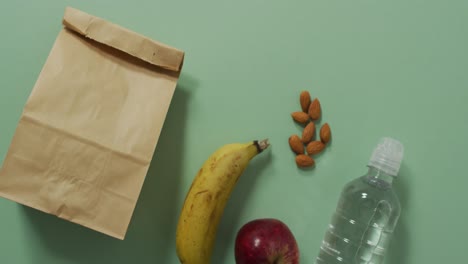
387 156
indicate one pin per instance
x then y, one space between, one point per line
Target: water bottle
367 212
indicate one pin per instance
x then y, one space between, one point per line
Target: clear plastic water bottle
367 212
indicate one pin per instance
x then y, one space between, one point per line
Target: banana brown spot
200 192
208 198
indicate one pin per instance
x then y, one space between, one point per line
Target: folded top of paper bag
123 39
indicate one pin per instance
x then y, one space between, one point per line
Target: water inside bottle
362 226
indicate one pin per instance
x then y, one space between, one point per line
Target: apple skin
266 241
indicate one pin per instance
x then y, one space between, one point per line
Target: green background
380 68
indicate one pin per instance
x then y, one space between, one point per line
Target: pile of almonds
305 147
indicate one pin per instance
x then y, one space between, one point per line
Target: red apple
266 241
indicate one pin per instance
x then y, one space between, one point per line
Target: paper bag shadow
152 229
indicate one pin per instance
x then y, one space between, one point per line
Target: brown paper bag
89 129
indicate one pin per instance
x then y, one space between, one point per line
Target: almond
305 101
300 117
314 109
325 133
308 133
296 144
315 147
304 161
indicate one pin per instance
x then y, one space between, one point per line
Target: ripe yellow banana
207 197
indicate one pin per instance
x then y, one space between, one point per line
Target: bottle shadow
399 247
151 233
230 221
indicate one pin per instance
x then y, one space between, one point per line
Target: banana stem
262 145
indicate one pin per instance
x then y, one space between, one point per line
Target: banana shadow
151 234
399 248
230 221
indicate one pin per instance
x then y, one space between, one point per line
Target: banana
205 201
